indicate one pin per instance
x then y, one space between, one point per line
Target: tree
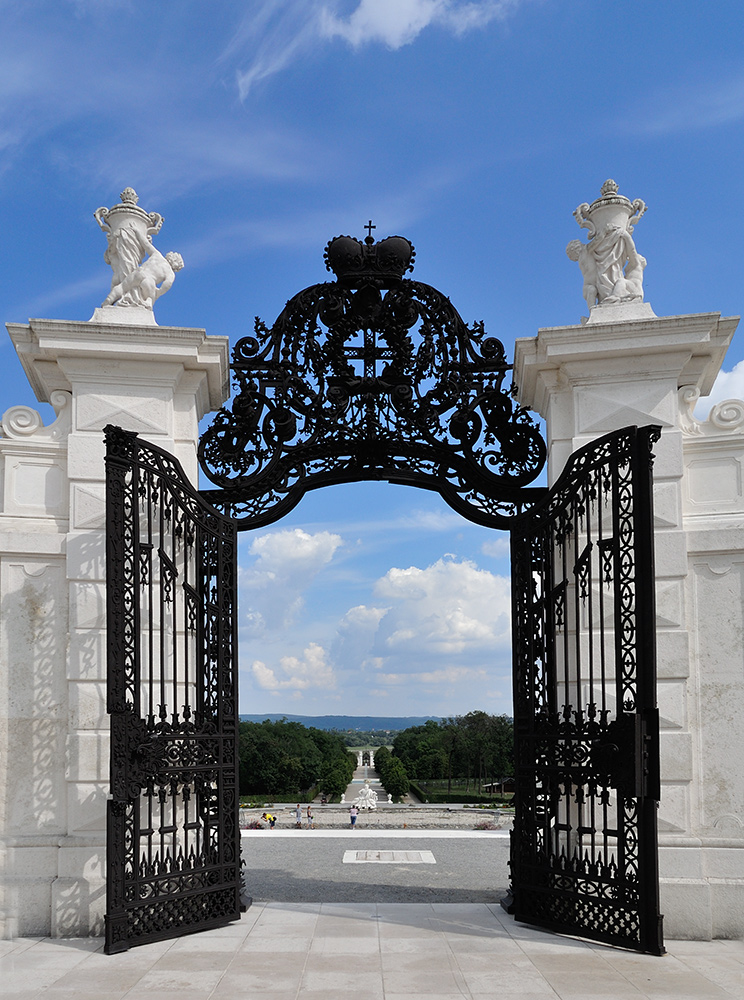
286 758
396 781
475 746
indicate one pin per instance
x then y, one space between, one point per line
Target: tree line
393 776
474 749
288 760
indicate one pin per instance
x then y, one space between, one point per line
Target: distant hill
364 723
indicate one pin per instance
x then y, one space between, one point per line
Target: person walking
310 820
353 813
298 817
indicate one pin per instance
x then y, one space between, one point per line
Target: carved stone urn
610 209
611 267
127 215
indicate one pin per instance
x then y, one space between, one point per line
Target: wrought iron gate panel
173 838
584 846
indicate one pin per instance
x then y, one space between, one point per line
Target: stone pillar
159 382
589 380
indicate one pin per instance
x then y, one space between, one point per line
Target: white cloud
293 673
728 385
443 628
278 32
449 608
498 547
392 22
287 562
399 22
294 553
442 631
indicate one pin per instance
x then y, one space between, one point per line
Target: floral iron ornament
372 376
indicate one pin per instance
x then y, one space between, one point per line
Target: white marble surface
374 951
54 743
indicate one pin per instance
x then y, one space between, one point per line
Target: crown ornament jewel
356 263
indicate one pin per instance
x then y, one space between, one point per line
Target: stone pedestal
587 381
159 382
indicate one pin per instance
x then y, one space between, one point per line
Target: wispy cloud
187 153
282 31
96 287
399 22
688 107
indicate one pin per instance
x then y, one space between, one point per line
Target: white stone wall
54 745
159 382
587 381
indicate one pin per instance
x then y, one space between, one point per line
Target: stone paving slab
448 945
308 866
370 951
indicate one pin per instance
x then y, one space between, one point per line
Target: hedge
437 797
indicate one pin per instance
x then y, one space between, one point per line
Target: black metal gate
173 837
584 847
375 376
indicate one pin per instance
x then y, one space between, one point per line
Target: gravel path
307 869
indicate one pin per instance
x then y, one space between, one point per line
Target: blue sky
262 129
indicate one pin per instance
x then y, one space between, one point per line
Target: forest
458 759
286 760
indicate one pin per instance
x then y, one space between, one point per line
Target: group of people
270 818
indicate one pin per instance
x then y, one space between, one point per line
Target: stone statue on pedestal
611 266
141 273
367 798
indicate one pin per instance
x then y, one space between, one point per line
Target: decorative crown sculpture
381 264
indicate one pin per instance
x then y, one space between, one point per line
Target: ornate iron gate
584 849
173 837
374 376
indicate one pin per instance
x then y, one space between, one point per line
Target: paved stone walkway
355 786
371 950
307 866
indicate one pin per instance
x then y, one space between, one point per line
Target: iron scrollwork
583 855
371 376
173 838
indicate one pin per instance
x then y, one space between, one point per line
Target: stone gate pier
119 368
623 365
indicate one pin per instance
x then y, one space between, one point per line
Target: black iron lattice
375 376
173 837
372 376
584 849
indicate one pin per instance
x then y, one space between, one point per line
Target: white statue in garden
367 797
